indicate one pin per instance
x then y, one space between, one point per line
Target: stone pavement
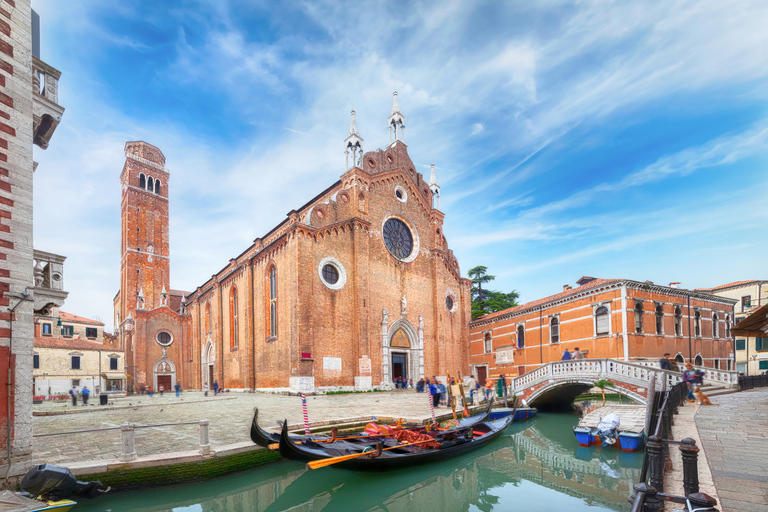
230 415
734 435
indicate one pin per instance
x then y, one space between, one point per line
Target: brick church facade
351 290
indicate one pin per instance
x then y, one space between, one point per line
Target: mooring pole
655 449
690 453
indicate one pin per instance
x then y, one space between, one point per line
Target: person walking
665 363
577 354
472 385
73 394
488 388
205 389
161 388
566 356
215 387
143 389
85 394
433 392
177 387
441 391
690 378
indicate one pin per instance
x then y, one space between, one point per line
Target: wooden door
165 381
482 374
210 376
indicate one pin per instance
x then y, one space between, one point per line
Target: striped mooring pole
306 416
431 407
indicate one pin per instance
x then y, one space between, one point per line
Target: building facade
351 290
751 351
150 322
606 318
30 281
70 351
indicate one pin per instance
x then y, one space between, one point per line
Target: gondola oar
317 464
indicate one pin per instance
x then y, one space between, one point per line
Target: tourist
472 385
215 387
205 389
441 390
73 394
488 388
420 386
410 384
161 388
577 354
692 378
665 363
433 392
177 387
566 356
85 394
150 391
143 389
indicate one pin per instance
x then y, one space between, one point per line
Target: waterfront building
751 351
606 318
354 288
70 351
30 281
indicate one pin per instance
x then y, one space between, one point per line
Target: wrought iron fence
752 381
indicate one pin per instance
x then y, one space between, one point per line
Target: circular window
401 194
449 303
398 238
164 338
332 273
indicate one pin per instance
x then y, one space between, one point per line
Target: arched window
715 326
659 318
272 302
679 358
678 321
150 184
554 330
157 186
208 317
639 317
142 181
233 331
602 323
487 343
728 327
698 360
697 323
521 336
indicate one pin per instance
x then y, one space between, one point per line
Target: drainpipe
625 329
690 348
541 341
253 328
221 331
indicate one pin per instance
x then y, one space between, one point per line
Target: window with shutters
91 332
46 329
36 361
602 321
74 362
741 344
761 344
113 362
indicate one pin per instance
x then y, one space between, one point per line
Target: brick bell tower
144 246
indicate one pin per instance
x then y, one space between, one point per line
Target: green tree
602 384
486 301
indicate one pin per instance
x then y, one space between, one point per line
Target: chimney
566 287
674 284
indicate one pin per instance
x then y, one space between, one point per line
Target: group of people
161 389
576 354
693 378
84 393
403 383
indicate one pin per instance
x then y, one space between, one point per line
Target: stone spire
140 299
435 188
396 118
354 144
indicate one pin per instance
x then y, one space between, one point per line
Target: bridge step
720 391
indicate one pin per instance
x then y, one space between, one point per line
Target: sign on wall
505 355
331 363
365 365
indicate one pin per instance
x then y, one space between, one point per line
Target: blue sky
612 139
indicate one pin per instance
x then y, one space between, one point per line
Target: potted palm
602 384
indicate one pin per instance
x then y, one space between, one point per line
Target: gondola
386 454
264 438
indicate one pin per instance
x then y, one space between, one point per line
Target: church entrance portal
210 376
399 365
165 382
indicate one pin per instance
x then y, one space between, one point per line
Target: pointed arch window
660 319
715 326
272 284
233 327
150 184
554 330
678 321
698 360
142 181
602 321
728 326
157 186
521 336
639 317
697 323
208 318
487 343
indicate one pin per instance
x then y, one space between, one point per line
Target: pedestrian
161 388
143 389
73 394
577 354
472 385
566 356
85 394
665 363
205 389
420 385
150 391
215 387
441 390
410 384
690 377
433 392
488 388
177 387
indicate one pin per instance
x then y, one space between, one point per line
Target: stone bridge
560 382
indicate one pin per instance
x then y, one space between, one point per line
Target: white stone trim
404 193
414 234
342 273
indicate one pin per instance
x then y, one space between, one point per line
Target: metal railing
649 493
752 381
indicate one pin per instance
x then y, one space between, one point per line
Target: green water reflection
536 466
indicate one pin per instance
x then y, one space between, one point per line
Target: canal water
535 466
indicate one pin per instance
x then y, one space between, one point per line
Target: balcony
45 95
49 281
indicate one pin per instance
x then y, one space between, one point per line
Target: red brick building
608 318
149 319
352 289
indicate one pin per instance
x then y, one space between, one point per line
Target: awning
114 376
755 325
